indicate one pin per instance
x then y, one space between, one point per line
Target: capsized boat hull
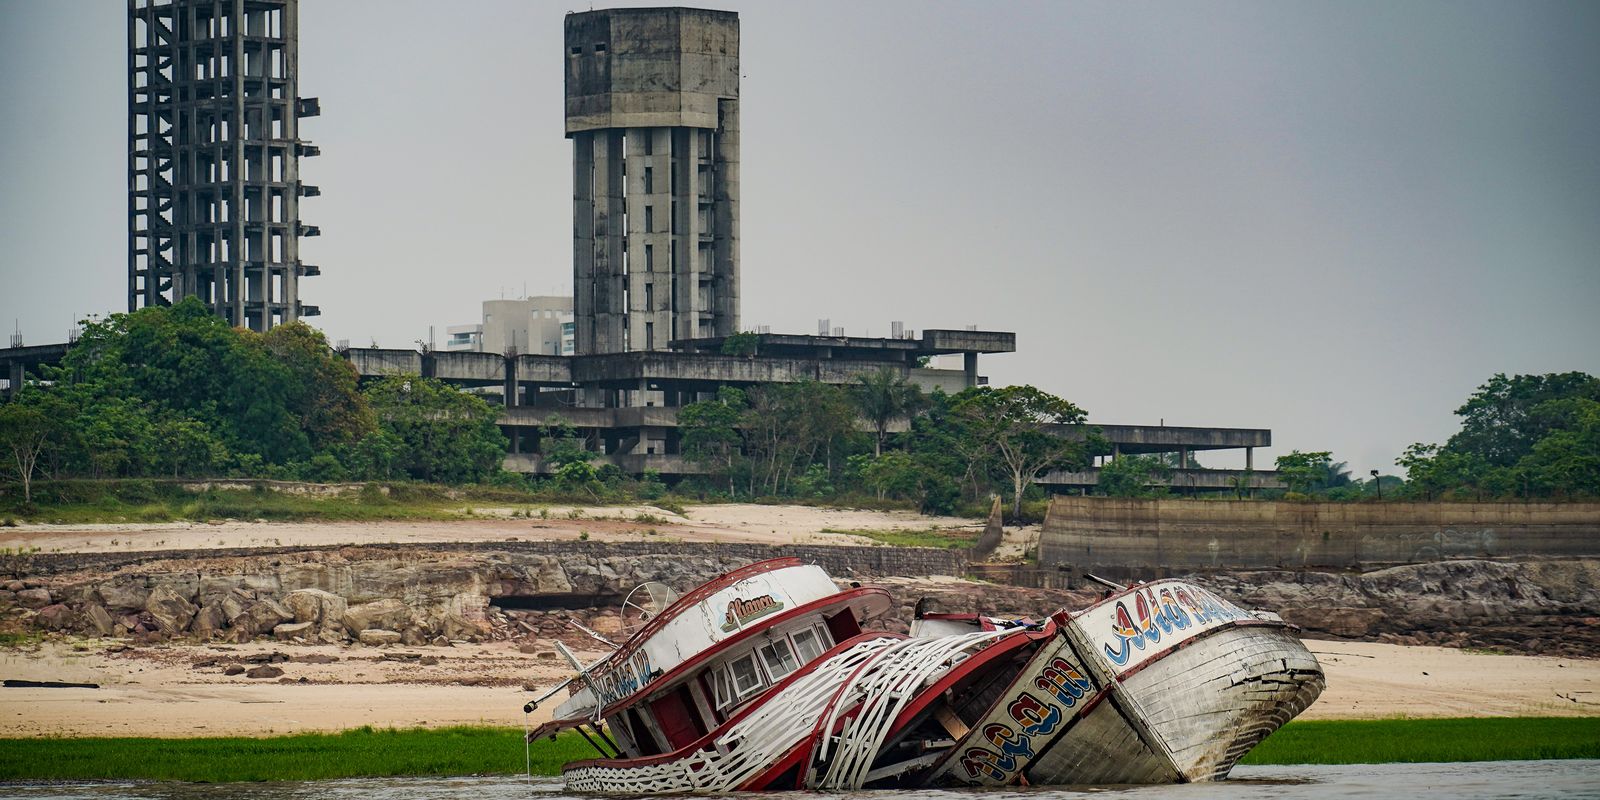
1187 716
1161 683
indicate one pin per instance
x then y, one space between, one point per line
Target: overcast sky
1330 219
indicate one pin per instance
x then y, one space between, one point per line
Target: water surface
1523 780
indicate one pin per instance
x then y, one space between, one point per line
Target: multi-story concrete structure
214 151
529 325
652 109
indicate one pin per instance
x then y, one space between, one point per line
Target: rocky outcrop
293 630
387 614
172 611
99 619
377 637
33 598
432 595
323 611
1534 606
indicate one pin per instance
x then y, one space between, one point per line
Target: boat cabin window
778 658
809 644
746 677
742 677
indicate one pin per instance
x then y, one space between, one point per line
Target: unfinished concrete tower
213 158
652 99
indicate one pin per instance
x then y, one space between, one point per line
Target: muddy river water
1530 780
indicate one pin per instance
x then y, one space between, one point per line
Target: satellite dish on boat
644 603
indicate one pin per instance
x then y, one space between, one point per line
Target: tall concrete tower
214 154
652 99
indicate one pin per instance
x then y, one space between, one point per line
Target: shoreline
177 691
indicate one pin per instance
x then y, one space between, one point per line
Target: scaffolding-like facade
214 158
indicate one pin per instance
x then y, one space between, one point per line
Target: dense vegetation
175 392
362 752
1386 741
1523 437
365 752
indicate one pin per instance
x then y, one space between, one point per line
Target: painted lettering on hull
1042 701
1157 613
741 610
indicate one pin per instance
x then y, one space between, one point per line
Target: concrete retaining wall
1143 538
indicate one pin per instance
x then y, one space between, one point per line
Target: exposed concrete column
511 399
969 364
1183 458
1250 458
14 375
725 214
583 246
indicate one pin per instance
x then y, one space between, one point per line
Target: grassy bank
945 538
79 502
476 751
357 753
1384 741
85 502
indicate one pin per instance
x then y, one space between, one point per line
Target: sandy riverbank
160 691
733 522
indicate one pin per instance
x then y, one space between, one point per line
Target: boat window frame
739 694
819 635
773 672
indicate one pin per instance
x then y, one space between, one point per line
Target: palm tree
883 397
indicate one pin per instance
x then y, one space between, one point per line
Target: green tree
25 433
882 397
744 343
1020 423
322 388
1566 460
1132 476
446 435
185 360
1299 471
184 446
710 431
892 473
560 444
1528 435
788 427
1500 422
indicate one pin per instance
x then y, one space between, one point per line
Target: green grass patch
79 502
943 538
365 752
358 753
1387 741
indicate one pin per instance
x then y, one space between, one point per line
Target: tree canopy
1522 436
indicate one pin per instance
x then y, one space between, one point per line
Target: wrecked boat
770 677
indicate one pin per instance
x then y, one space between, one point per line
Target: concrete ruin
652 109
214 153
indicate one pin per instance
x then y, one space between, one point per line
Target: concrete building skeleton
214 151
652 109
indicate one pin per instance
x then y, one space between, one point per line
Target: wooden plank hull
1166 684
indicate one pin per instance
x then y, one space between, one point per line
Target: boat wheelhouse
771 677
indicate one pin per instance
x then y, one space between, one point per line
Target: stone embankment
381 595
416 595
